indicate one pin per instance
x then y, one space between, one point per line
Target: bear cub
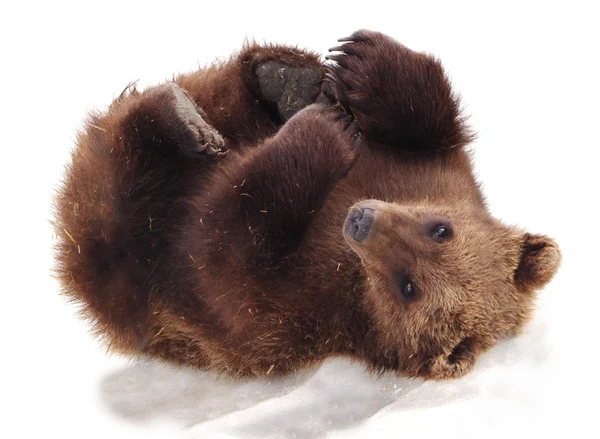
262 214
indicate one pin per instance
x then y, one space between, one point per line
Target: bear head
445 283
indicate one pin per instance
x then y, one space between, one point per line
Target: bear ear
539 260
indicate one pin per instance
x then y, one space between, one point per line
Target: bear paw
336 122
399 97
208 140
200 137
327 134
289 88
352 69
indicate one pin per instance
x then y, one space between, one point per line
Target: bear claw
339 58
345 70
357 37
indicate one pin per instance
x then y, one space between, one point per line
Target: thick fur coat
265 213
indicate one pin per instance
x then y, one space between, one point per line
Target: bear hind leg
121 201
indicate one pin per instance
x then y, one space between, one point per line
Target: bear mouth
359 223
462 351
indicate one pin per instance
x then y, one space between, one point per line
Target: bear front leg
400 98
279 186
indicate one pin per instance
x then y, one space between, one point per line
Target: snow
528 74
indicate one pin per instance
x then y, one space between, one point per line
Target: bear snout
359 223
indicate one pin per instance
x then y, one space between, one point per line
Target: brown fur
241 262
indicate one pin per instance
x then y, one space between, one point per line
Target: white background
528 73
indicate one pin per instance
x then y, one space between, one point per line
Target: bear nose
359 223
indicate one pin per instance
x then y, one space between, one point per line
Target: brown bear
226 221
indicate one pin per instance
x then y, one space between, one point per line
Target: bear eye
408 290
441 232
